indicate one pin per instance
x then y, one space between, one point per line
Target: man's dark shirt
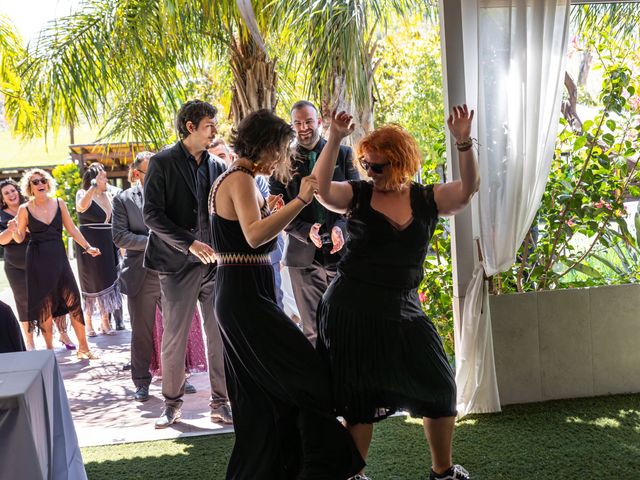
314 213
200 174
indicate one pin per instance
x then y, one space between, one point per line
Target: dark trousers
309 284
180 292
142 311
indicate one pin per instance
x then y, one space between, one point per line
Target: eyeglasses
374 167
38 181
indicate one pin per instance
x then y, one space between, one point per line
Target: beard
311 141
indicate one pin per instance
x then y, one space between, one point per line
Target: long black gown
15 267
52 290
384 353
98 275
280 391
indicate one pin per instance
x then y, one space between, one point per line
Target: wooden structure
116 158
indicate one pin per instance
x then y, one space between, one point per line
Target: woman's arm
22 221
452 197
335 196
258 231
71 228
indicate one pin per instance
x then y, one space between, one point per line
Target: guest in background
15 254
52 290
316 236
98 275
142 286
10 337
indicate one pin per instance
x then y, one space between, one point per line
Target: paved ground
100 394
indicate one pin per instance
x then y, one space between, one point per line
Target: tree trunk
254 78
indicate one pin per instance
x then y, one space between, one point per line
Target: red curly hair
399 148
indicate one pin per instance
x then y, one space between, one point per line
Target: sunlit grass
571 439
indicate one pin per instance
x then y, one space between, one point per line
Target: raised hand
308 187
341 124
459 122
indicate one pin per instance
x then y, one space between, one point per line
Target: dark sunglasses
39 181
374 167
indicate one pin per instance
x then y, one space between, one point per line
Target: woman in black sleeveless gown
384 353
98 275
52 290
14 254
279 390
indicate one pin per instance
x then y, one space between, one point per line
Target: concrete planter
566 343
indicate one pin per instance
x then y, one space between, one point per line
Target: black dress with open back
280 390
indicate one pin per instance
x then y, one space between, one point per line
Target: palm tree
340 42
11 53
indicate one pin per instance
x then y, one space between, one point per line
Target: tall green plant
582 218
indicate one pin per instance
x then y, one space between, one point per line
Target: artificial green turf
563 440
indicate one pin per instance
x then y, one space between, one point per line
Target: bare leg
61 324
439 433
106 323
362 434
88 325
28 336
78 328
46 328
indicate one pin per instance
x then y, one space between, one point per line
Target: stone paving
100 394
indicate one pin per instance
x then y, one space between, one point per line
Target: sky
29 16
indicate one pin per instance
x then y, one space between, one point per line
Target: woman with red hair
384 353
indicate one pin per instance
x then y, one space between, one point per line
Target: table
37 437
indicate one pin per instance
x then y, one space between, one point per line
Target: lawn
561 440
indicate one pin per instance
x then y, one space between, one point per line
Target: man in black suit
140 285
179 249
316 236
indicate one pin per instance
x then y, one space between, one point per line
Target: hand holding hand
203 251
314 235
341 124
93 251
12 225
275 202
308 187
459 122
337 238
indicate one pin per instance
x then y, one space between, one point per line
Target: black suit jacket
171 208
299 250
130 232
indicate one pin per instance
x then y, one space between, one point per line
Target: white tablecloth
37 436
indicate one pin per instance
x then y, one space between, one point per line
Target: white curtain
514 75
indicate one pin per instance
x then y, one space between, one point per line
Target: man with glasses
316 236
140 285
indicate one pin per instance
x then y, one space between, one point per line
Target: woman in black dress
279 389
14 253
52 291
384 353
98 275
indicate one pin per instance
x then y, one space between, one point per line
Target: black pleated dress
385 355
279 389
52 290
15 267
98 275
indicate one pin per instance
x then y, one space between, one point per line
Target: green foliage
581 236
68 182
